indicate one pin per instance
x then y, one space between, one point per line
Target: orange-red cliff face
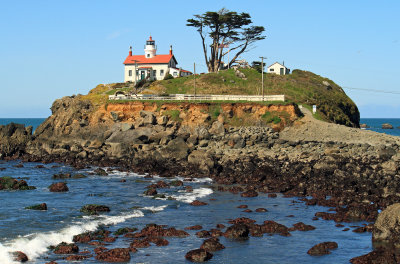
194 114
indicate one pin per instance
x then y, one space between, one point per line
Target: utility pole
262 76
194 76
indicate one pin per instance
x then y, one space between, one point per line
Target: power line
371 90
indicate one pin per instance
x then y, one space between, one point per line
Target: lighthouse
150 48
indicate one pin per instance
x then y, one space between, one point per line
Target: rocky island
244 147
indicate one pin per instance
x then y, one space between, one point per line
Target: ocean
32 232
375 124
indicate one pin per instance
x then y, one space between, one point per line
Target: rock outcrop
387 227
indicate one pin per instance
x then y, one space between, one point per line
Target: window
271 69
175 74
154 73
148 55
161 72
130 72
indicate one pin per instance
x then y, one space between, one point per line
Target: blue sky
50 49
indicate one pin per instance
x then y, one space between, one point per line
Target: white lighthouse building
151 66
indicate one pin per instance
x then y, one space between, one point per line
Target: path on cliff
310 129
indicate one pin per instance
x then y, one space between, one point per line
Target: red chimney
170 50
130 51
150 39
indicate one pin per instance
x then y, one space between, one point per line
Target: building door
282 71
142 73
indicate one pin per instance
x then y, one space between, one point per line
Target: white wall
276 68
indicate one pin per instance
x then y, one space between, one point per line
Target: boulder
249 193
126 127
162 120
20 256
386 228
202 159
198 255
217 129
94 209
237 231
198 203
387 126
175 149
65 248
42 207
195 227
9 183
148 117
58 187
322 248
300 226
378 256
212 244
364 126
114 255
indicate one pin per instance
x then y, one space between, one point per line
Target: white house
278 68
151 66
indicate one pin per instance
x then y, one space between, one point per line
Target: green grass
173 115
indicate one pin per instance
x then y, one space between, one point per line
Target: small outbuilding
278 68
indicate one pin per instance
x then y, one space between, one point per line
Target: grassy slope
301 87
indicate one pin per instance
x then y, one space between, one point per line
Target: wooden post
194 76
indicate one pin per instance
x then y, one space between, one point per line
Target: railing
201 97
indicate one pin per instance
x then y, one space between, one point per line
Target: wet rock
203 234
40 166
20 256
42 207
216 232
159 242
322 248
109 239
242 206
220 226
58 187
100 172
19 165
249 193
261 210
68 176
364 126
9 183
247 211
195 227
124 230
153 230
114 255
212 244
198 203
150 192
140 243
237 231
76 258
65 248
273 227
378 256
300 226
162 184
198 255
272 195
387 126
94 209
242 220
176 183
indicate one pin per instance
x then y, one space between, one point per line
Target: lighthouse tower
150 49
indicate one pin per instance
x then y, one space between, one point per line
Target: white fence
201 97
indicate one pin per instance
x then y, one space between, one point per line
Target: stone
175 149
126 127
195 227
261 210
94 209
217 128
162 120
9 183
249 193
58 187
300 226
212 244
386 227
203 234
148 117
114 255
198 203
198 255
76 258
20 256
65 248
237 231
42 207
387 126
364 126
150 192
322 248
202 159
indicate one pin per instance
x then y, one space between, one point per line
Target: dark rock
237 231
195 227
9 183
212 244
247 211
20 256
94 209
40 167
387 126
76 258
203 234
176 183
242 220
322 248
272 195
198 255
273 227
65 248
364 126
242 206
220 226
101 172
159 242
124 230
198 203
58 187
378 256
300 226
42 206
140 243
19 165
261 210
150 192
249 193
114 255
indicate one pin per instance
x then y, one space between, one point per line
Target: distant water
375 124
34 122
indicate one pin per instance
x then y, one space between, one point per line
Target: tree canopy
228 31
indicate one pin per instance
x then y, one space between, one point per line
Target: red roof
141 59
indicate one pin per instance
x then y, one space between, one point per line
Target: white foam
190 197
36 244
197 180
155 208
